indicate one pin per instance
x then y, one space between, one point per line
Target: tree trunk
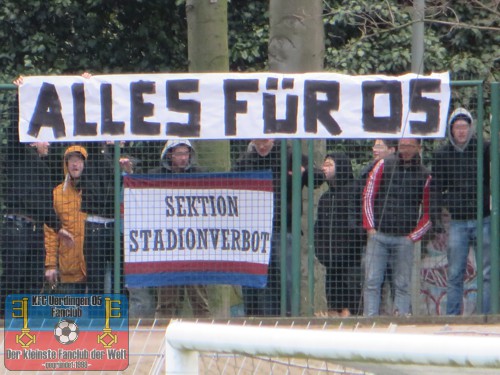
297 41
208 52
296 45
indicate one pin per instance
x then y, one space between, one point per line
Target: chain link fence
316 243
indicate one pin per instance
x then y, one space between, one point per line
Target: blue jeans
382 249
462 235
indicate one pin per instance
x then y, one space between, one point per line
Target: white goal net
239 349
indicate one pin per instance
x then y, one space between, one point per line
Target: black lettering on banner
108 125
192 207
145 235
139 109
232 106
255 241
221 206
427 105
181 211
171 239
190 239
170 207
245 244
47 112
319 110
235 242
266 236
181 239
191 107
134 245
233 205
202 239
199 239
158 240
212 205
386 124
225 239
214 235
81 126
272 125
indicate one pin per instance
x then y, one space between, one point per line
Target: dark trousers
343 284
99 251
266 301
23 258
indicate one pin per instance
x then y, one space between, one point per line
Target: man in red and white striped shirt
396 213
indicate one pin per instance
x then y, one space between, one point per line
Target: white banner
197 225
232 106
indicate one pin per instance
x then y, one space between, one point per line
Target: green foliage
365 37
69 36
248 24
362 37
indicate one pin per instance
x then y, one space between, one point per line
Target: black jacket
97 181
336 237
455 177
252 161
28 179
397 198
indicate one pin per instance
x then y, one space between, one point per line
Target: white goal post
364 350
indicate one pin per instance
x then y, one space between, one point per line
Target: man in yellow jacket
65 260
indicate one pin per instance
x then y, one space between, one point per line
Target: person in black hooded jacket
265 155
337 241
455 172
29 173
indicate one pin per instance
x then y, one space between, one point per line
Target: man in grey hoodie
178 157
455 176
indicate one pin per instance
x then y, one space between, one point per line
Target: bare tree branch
462 25
493 9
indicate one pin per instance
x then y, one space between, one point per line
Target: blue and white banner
66 332
199 228
232 106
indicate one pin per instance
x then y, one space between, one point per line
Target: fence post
495 196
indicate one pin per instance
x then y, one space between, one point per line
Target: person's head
42 148
337 168
460 125
263 146
74 161
408 148
177 155
382 148
328 168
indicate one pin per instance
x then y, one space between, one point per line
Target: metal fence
317 263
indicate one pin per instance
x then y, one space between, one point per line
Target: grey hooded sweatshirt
166 161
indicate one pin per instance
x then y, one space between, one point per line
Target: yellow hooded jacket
69 260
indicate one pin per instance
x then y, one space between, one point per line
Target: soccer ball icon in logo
66 332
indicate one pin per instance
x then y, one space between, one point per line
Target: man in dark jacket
265 154
337 241
396 213
455 174
30 175
381 149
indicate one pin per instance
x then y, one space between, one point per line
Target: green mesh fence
321 260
